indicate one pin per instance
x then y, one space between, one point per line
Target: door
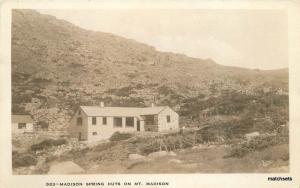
138 126
79 136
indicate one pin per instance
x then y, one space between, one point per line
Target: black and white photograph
149 91
149 94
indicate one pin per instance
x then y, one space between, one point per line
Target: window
117 122
94 133
21 125
168 119
129 122
94 121
104 120
79 121
149 120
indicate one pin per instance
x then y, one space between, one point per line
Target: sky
244 38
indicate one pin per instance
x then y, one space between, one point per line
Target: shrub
234 103
168 142
129 102
278 152
50 158
22 160
47 144
18 109
22 98
122 92
59 142
117 136
43 125
256 144
104 146
163 90
146 148
16 143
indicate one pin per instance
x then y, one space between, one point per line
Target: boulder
199 146
252 135
67 167
136 157
266 163
171 153
175 161
158 154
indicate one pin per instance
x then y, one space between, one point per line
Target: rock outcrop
67 167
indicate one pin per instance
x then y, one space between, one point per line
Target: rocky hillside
57 66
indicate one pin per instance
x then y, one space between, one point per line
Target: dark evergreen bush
47 144
117 136
22 160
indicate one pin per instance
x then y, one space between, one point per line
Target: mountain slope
57 66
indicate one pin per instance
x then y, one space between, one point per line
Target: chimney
101 104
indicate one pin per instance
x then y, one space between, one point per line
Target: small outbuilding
21 123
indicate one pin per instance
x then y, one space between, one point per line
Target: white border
176 180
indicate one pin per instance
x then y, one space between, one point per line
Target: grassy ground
267 153
202 160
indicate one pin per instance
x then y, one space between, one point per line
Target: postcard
150 94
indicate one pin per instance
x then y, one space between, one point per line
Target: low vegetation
117 136
246 147
124 91
257 144
23 159
47 144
